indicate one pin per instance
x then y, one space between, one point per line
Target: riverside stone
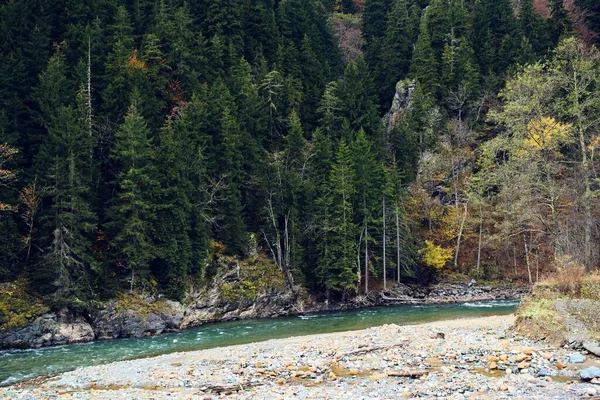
589 373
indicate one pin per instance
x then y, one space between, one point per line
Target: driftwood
362 350
234 387
404 299
411 373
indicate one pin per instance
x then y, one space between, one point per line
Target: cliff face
403 97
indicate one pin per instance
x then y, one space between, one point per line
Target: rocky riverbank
138 317
462 359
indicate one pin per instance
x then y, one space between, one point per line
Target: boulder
593 347
576 358
589 373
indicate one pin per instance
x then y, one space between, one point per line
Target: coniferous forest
141 140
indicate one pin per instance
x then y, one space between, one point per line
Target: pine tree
63 168
337 269
131 217
494 37
173 210
73 223
532 27
330 109
424 67
230 225
358 98
368 185
116 81
559 24
402 23
195 143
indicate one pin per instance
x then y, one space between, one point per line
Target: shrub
17 307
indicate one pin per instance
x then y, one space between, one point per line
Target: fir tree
132 215
337 269
358 98
424 67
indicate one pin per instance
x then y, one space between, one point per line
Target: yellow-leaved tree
435 256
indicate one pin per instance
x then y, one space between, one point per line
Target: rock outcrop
155 318
403 98
49 330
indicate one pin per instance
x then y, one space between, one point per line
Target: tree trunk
397 241
366 260
460 232
527 260
479 241
384 265
515 261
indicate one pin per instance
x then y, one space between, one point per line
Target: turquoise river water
18 365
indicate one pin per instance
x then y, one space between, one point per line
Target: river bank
135 316
469 358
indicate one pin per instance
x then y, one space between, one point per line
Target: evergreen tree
116 81
358 98
368 180
559 24
400 34
337 268
194 149
330 109
131 216
532 28
230 223
494 37
64 169
424 67
172 212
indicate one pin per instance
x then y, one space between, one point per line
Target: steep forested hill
141 140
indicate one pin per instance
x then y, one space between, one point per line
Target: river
19 365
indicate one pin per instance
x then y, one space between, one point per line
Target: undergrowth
256 276
562 299
17 307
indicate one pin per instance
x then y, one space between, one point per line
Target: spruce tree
337 268
402 24
131 216
173 210
559 24
116 81
424 66
533 28
359 103
231 229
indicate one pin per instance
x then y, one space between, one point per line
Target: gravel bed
461 359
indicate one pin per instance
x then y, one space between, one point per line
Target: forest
142 140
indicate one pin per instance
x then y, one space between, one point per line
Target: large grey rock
576 358
592 347
49 330
589 373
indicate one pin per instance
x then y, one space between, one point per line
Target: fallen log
362 350
232 388
408 373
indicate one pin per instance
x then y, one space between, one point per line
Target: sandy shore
459 359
